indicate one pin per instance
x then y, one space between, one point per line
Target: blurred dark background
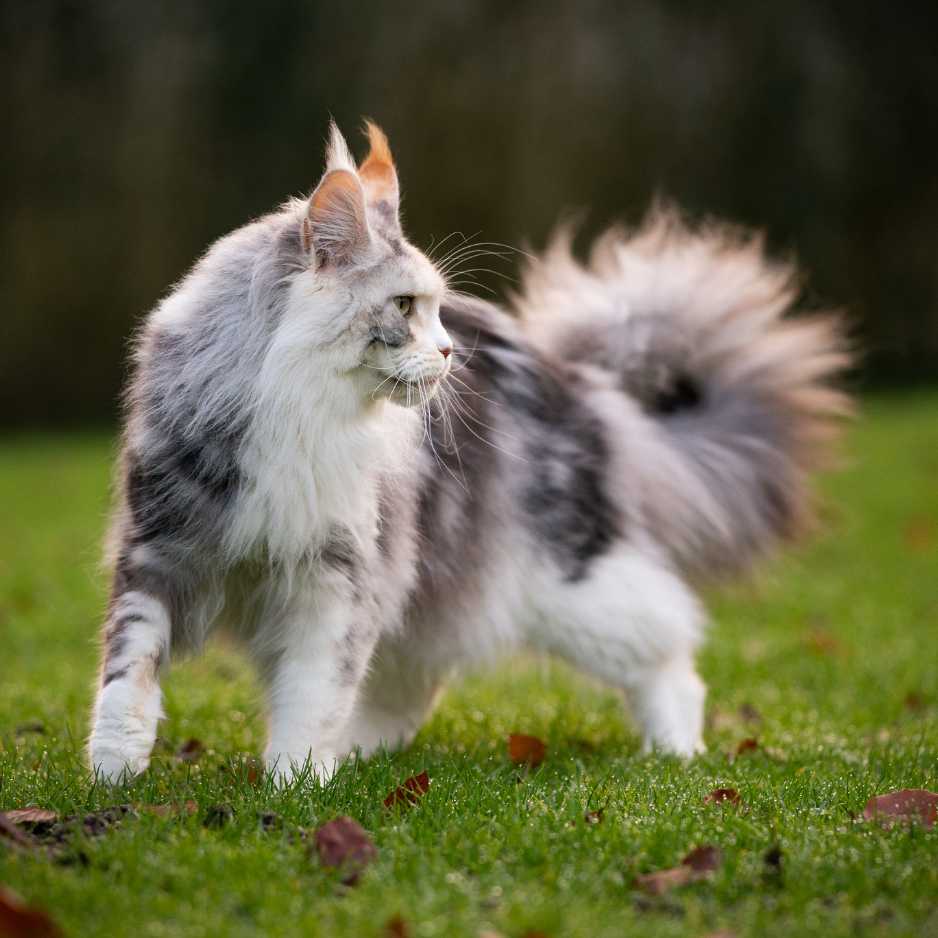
136 133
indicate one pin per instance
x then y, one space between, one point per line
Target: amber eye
404 304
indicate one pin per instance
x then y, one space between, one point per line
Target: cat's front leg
128 704
322 650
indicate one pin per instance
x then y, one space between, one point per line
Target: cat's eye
404 304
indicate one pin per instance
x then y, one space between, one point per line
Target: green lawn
829 659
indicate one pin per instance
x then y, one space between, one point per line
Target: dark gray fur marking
567 506
341 553
391 328
110 676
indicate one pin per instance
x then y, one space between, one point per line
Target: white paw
113 766
287 768
682 748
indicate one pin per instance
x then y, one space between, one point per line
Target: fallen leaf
254 771
396 927
662 881
750 744
31 818
526 750
190 750
908 805
722 795
342 843
594 817
697 865
704 859
18 920
410 792
169 810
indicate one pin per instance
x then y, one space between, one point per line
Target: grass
829 658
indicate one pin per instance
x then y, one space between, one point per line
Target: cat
371 480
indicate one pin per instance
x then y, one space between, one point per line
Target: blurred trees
136 133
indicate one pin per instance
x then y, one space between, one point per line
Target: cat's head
367 298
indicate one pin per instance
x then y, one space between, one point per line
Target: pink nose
446 350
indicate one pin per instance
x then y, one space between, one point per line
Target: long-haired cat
291 473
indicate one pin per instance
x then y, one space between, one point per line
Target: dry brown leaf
396 927
18 920
722 796
662 881
31 817
342 843
705 859
526 750
169 810
906 806
410 792
190 751
697 865
750 744
255 771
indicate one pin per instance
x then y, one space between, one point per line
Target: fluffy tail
739 401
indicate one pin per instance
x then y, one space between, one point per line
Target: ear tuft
377 172
338 155
379 159
336 227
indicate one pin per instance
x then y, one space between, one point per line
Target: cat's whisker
434 247
429 437
466 242
454 262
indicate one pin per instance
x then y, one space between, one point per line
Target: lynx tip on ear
379 158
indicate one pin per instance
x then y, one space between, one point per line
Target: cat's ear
335 227
379 177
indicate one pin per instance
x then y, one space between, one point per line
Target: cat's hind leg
634 624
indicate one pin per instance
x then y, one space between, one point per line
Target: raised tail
739 396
